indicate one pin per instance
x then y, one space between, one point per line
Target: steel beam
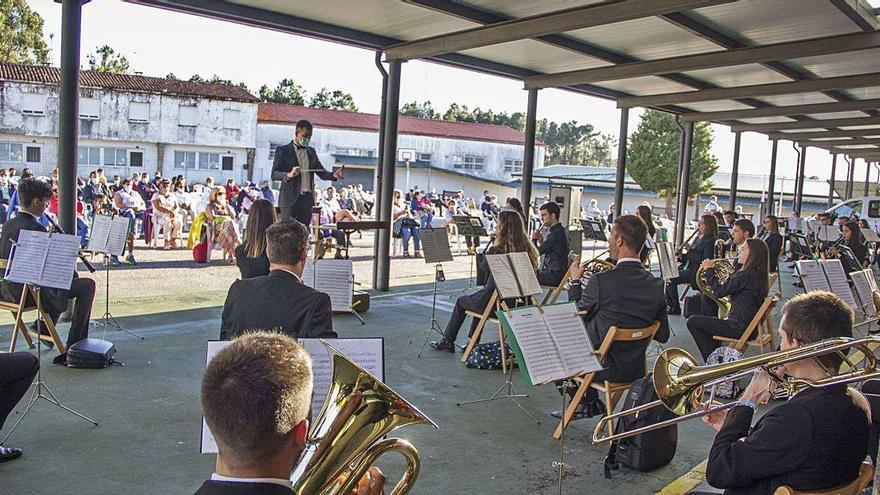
378 207
851 169
867 175
799 185
819 135
755 90
68 113
529 148
389 163
621 160
540 25
808 124
734 174
831 184
787 111
771 186
852 142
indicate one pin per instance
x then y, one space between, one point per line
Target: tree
21 34
215 79
105 59
334 100
287 91
421 110
652 156
600 151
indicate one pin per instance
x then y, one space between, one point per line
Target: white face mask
127 189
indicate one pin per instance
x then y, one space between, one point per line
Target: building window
209 161
11 152
364 152
115 157
89 156
138 112
185 159
136 158
512 166
89 108
32 104
188 116
272 148
473 162
33 154
231 119
228 162
423 157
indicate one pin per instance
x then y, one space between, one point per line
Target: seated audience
251 256
17 371
337 213
266 191
814 442
221 219
279 300
404 224
128 203
165 212
552 242
326 218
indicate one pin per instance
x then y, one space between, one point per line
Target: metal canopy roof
800 70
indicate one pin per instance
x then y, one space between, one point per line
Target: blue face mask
304 141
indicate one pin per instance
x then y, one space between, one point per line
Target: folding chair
553 292
19 309
853 488
761 323
612 390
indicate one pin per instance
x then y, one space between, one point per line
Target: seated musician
703 249
34 195
747 288
826 233
815 441
774 241
552 242
510 238
730 216
627 297
852 238
256 395
279 300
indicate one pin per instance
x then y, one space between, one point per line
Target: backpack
650 450
487 356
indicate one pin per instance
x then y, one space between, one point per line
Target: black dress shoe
443 345
60 359
584 411
673 311
9 453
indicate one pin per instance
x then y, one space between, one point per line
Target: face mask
127 189
304 141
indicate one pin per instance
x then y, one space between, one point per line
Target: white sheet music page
99 233
29 257
870 235
863 291
505 281
308 276
333 277
60 261
525 272
536 344
839 284
570 336
668 267
118 235
812 275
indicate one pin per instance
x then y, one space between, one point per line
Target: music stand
593 231
108 247
848 258
469 226
435 245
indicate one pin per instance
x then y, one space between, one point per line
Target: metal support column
529 149
621 161
799 184
734 174
389 161
68 113
771 186
687 137
831 185
377 183
867 175
851 162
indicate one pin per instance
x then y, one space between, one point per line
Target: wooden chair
19 309
853 488
612 390
488 315
553 292
761 323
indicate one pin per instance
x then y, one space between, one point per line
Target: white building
443 155
128 123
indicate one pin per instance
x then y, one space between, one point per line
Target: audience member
251 256
221 217
404 225
17 371
165 213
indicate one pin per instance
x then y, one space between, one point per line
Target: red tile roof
319 117
38 74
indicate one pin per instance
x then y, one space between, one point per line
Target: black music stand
107 319
435 245
593 231
469 226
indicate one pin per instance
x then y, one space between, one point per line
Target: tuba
344 440
724 269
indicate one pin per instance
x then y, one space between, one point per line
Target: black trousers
301 209
548 278
684 277
702 328
871 389
82 291
17 371
472 302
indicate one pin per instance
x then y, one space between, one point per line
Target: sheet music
28 257
369 353
870 235
119 230
99 233
333 277
525 273
838 282
503 275
539 352
668 267
863 291
812 275
827 233
60 261
308 276
570 336
435 244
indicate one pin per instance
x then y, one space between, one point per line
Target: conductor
296 164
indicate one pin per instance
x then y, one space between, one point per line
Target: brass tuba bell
723 271
344 439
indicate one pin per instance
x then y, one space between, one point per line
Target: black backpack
650 450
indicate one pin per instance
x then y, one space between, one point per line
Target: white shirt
274 481
624 260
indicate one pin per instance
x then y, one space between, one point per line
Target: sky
157 42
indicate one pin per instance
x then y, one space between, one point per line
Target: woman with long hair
221 217
510 238
773 239
404 225
852 238
747 289
644 212
250 256
702 249
515 205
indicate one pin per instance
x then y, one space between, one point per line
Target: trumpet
679 382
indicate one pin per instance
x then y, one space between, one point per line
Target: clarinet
82 257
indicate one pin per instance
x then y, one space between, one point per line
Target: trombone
680 383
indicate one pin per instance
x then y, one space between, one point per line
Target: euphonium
343 440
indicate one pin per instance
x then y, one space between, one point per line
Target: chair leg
475 338
572 406
609 408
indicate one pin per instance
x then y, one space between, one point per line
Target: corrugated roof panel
864 93
739 75
645 39
527 9
650 85
860 62
716 106
838 115
537 56
765 120
797 99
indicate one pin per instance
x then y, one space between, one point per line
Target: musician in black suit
815 441
295 165
553 247
774 241
256 394
703 249
627 297
35 195
17 371
747 288
852 238
279 300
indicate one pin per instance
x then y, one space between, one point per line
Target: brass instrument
724 269
344 439
594 265
680 383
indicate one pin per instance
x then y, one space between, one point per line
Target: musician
35 195
729 217
703 249
742 229
644 212
279 300
17 371
510 238
852 238
747 288
774 241
256 395
553 247
628 297
295 165
815 441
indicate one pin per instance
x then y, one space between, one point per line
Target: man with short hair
729 217
295 165
743 229
815 441
128 203
255 396
279 300
552 243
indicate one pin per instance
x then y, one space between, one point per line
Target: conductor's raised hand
338 174
294 172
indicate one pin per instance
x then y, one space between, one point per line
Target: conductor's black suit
293 201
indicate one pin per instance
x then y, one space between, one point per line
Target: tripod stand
509 394
108 318
40 386
439 276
